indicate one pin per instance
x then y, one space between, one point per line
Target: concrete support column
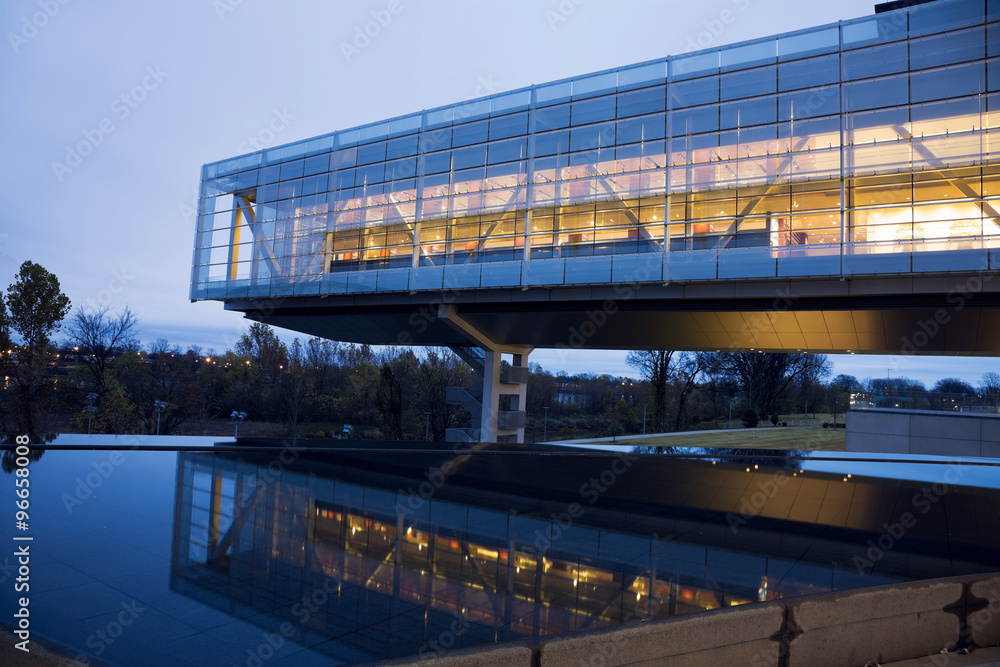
497 381
491 397
494 422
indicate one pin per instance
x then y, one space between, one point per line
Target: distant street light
237 417
159 407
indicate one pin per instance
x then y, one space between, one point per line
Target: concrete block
990 429
944 446
744 632
879 640
984 624
876 442
990 450
870 604
870 421
947 426
500 656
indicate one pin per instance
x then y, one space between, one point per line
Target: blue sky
111 108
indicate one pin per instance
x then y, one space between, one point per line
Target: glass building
680 195
868 146
343 552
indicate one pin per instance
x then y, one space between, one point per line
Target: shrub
750 419
774 420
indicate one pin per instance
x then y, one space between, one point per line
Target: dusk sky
111 108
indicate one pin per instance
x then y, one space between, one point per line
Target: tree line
97 378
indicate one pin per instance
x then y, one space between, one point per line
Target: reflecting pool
279 553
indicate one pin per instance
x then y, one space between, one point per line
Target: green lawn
766 438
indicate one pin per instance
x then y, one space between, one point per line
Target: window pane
371 153
593 110
748 55
684 67
509 126
747 112
953 47
889 91
593 136
550 118
945 16
317 164
435 140
958 81
638 129
827 39
640 102
594 84
696 91
637 76
507 150
470 133
401 147
291 169
471 156
434 163
694 121
744 84
809 73
875 61
809 103
550 143
885 27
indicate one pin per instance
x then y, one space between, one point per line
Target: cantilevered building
826 190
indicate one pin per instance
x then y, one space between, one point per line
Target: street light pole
159 407
91 409
427 428
545 425
237 417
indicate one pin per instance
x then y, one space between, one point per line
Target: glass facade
865 147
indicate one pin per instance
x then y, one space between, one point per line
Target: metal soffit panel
901 330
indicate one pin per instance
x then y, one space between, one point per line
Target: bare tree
990 388
655 368
690 366
764 375
100 337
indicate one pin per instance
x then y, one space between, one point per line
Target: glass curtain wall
875 132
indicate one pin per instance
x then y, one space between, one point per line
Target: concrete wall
923 432
879 624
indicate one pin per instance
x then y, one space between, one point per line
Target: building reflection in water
347 556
